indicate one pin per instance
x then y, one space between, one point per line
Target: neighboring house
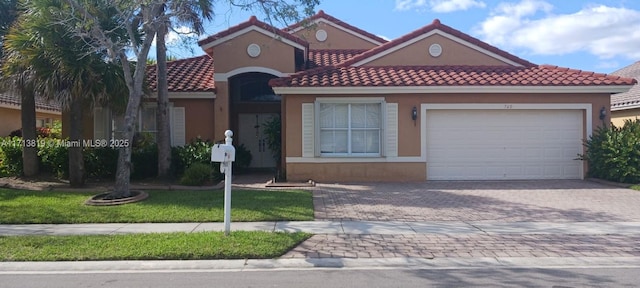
10 119
626 105
435 104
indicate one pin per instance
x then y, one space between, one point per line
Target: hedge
613 153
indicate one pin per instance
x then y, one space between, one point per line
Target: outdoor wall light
414 113
603 113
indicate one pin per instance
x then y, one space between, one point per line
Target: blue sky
592 35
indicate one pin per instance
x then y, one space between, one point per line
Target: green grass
165 246
58 207
635 187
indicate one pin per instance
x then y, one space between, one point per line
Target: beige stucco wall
409 132
336 38
10 119
618 117
453 53
199 119
275 54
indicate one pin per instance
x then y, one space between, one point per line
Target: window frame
138 127
350 100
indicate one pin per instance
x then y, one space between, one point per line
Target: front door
251 134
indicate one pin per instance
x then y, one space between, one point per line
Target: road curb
239 265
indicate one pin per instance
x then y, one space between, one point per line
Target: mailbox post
225 154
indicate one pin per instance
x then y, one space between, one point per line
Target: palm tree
9 13
18 76
185 12
65 70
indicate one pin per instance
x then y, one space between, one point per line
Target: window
43 122
350 129
146 123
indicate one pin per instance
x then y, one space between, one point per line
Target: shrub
613 153
54 158
196 175
40 132
10 156
144 159
198 151
243 159
100 163
16 133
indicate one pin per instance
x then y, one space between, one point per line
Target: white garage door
504 144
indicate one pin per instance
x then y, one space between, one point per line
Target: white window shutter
308 131
100 123
178 133
392 130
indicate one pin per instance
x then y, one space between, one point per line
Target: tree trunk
76 160
134 82
162 117
123 172
29 136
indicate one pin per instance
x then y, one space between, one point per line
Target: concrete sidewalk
338 227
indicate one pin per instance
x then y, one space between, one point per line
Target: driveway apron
505 201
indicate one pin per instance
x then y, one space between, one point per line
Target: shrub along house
435 104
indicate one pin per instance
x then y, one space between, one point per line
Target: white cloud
530 25
608 65
384 37
439 6
176 35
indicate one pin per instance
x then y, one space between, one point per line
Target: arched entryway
253 103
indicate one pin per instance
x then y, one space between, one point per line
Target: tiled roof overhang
451 79
13 101
186 75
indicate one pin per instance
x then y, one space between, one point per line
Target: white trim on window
349 129
226 75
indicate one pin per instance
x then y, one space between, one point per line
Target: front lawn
164 246
59 207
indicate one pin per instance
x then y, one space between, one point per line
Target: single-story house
434 104
626 105
10 103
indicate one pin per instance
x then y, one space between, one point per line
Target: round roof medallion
253 50
435 50
321 35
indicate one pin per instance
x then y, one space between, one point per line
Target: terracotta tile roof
253 21
632 97
15 100
322 15
186 75
403 76
329 57
444 28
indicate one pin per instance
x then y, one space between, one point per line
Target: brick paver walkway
509 201
502 201
430 246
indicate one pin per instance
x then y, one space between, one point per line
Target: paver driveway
506 201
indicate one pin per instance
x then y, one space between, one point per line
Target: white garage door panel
503 144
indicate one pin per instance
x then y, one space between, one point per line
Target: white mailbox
223 153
